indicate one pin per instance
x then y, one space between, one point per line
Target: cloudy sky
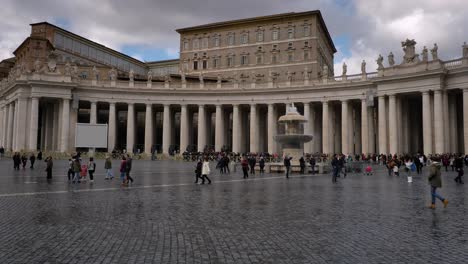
144 29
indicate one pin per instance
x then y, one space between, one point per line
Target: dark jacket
434 175
287 162
302 162
129 164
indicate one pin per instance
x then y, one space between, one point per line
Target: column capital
344 101
112 103
93 101
437 91
381 96
391 95
131 103
149 104
201 106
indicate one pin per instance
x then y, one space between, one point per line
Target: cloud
370 27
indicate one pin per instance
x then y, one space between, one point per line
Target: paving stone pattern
165 218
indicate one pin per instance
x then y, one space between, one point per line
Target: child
395 170
368 170
83 172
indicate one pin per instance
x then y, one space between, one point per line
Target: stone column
5 126
166 137
364 127
11 110
325 128
2 128
345 127
93 113
34 124
201 128
253 129
307 127
446 124
219 128
427 123
65 125
392 123
184 128
21 123
271 131
112 127
130 127
438 122
371 123
465 119
149 128
236 131
15 126
382 126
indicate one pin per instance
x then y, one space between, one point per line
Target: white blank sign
91 136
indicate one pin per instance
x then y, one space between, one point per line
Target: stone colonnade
428 121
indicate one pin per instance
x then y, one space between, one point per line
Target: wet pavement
165 218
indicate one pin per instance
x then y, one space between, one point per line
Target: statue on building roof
363 67
434 54
380 62
465 50
150 76
131 75
95 74
391 59
200 78
219 78
410 51
113 74
306 74
290 75
424 54
345 69
67 69
325 71
38 66
167 78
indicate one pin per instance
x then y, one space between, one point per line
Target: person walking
261 164
302 164
435 181
108 168
312 164
245 167
287 165
83 171
70 172
123 170
198 171
32 160
336 168
458 164
49 166
2 152
409 167
91 169
76 170
39 155
129 169
206 171
252 162
16 161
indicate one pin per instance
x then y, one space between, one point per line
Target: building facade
418 104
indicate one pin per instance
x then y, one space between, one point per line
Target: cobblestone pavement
165 218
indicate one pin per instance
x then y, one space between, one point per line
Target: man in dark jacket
436 182
198 171
252 162
302 164
336 168
128 169
312 164
458 163
32 160
287 165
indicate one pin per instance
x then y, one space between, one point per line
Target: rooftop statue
380 62
424 54
410 51
434 54
345 69
363 67
391 59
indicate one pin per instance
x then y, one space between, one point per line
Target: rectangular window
76 47
275 35
205 64
205 43
290 33
306 31
216 42
244 60
195 44
58 40
274 59
306 55
245 39
259 59
186 45
290 57
231 40
92 53
195 65
68 43
84 75
260 36
84 50
216 63
230 62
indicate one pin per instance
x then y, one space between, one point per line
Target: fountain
293 138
